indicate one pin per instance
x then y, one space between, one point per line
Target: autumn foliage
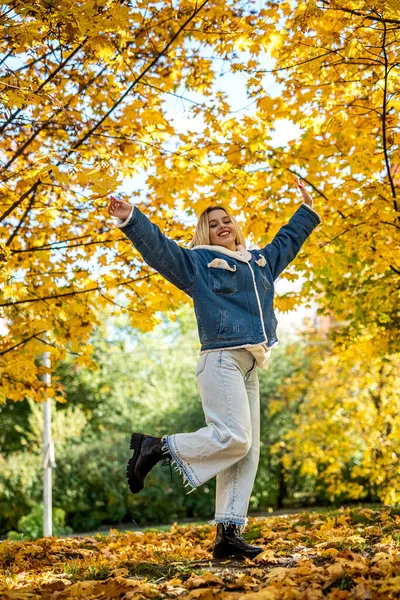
83 89
345 554
84 86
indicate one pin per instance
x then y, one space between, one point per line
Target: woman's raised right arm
173 262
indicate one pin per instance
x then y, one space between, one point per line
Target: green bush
90 485
145 382
31 525
20 487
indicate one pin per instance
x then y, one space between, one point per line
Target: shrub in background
145 382
31 525
20 487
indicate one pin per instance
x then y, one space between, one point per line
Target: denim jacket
232 292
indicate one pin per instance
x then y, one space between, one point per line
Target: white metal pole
48 451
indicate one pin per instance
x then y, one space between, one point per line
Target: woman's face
222 231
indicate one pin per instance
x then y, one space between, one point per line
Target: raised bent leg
227 438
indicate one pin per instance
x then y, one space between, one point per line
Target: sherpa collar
240 254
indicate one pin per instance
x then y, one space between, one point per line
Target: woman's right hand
119 208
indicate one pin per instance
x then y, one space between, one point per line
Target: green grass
72 571
158 571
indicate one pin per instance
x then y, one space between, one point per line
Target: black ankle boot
229 543
146 454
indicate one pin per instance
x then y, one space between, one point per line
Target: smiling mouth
224 234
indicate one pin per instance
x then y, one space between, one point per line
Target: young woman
232 290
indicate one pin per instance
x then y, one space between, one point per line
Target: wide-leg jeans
229 446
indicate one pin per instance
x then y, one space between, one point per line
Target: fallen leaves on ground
344 554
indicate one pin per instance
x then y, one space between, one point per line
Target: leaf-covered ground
339 555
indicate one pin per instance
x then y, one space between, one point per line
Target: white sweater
261 352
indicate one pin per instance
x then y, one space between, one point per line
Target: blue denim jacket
232 293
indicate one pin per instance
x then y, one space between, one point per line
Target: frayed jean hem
176 463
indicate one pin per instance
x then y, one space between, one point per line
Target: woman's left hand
306 196
119 208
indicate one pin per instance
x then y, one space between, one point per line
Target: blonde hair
202 232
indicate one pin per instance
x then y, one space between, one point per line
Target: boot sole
226 556
233 554
136 443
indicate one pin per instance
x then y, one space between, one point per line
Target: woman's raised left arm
290 238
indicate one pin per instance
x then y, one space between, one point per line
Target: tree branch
302 62
116 104
61 109
51 246
10 209
379 19
45 82
384 114
5 57
78 143
315 189
391 224
28 208
24 341
75 293
122 239
342 233
309 183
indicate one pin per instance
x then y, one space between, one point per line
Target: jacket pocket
264 281
261 262
222 277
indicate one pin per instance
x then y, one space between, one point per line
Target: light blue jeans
229 446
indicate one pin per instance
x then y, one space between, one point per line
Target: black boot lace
167 461
234 531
